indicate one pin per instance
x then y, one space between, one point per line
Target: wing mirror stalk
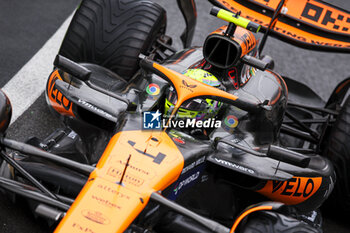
288 156
83 74
72 68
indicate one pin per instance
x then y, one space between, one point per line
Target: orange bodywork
57 100
293 191
324 18
104 205
315 13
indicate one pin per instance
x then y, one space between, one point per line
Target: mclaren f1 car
206 139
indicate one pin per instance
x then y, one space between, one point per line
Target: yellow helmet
198 108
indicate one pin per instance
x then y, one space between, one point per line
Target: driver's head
198 108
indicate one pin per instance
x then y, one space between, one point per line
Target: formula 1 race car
207 139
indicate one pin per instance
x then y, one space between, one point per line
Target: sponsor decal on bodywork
95 109
128 178
188 87
109 189
81 228
57 100
231 121
153 89
192 165
229 164
105 202
95 216
292 191
186 181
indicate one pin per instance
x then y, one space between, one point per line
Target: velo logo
152 120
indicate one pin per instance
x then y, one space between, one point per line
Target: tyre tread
112 33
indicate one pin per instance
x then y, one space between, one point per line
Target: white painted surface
30 81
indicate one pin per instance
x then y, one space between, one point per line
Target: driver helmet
198 109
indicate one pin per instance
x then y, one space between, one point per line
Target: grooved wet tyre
270 222
338 152
112 33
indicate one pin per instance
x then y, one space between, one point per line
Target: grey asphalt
35 21
24 27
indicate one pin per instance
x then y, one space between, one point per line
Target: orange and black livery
104 171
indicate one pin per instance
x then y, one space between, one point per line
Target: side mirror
72 68
5 112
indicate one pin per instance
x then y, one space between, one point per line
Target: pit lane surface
26 26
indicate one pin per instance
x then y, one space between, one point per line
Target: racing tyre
338 152
270 222
112 33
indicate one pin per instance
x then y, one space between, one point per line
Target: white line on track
30 81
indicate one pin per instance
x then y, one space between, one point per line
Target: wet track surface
27 25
